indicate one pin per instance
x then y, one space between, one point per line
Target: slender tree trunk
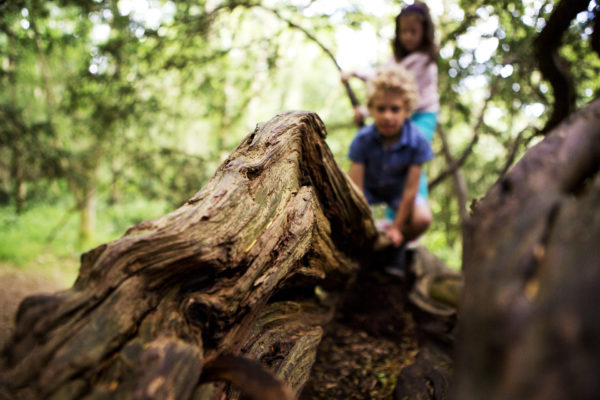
459 180
19 185
17 177
82 185
45 70
87 211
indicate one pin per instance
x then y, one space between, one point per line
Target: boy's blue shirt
386 170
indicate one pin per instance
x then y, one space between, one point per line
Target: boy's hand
395 236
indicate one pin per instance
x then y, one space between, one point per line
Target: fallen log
156 313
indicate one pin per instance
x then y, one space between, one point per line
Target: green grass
44 227
44 238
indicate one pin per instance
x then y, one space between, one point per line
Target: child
387 156
414 48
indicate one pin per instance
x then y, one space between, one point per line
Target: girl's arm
362 75
360 114
411 187
357 173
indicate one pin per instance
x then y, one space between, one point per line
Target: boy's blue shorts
390 213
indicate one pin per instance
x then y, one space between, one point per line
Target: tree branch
458 163
514 148
595 37
553 67
310 36
459 180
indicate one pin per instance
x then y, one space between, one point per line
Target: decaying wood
232 271
529 325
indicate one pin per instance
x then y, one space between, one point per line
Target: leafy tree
123 102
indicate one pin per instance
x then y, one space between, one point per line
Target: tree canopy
114 100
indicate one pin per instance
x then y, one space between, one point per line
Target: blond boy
387 156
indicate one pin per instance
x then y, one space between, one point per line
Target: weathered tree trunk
234 270
529 321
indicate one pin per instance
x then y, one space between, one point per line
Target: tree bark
529 325
156 313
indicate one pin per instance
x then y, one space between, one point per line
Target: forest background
117 111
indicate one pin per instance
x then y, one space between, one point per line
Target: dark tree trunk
552 65
529 321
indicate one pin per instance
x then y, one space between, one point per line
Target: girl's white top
425 72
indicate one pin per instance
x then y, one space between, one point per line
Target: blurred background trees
117 111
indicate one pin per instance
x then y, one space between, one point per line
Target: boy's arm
411 187
357 173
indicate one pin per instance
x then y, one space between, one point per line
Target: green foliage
47 232
24 237
99 99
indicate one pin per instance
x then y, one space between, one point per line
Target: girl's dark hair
428 46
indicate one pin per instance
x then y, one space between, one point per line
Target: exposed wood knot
252 172
506 185
208 318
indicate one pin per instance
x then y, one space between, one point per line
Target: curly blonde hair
394 79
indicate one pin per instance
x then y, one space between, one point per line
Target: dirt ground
371 340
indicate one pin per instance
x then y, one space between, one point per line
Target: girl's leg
426 122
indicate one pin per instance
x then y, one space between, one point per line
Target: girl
414 48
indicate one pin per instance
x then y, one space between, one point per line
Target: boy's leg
419 221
